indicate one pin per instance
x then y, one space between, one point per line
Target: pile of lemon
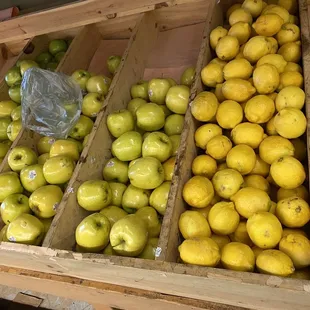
247 198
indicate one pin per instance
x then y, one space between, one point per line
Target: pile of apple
132 197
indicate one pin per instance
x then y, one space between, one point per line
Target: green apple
115 170
174 124
188 76
113 213
13 76
3 231
43 158
158 145
150 216
150 117
85 141
14 129
175 140
66 148
57 46
42 65
149 249
44 145
4 124
171 81
27 64
46 224
140 90
14 93
159 197
44 58
13 206
128 146
82 128
130 210
7 142
79 144
118 190
92 104
135 197
6 108
177 99
113 63
169 168
58 169
120 122
158 89
146 173
165 109
21 157
16 114
133 106
26 229
59 56
32 177
98 84
129 235
81 77
4 148
51 66
94 195
108 250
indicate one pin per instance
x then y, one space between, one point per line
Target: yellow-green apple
9 184
130 210
58 169
128 146
108 250
14 93
120 122
113 63
133 106
94 195
129 235
45 200
6 108
146 173
115 170
16 113
51 66
4 124
158 145
32 177
7 142
175 140
113 213
177 99
43 158
92 104
174 124
66 148
159 197
44 145
27 64
85 140
171 81
14 129
26 229
21 157
135 197
188 76
13 206
59 56
3 149
92 234
13 76
3 231
150 216
150 117
44 58
149 249
165 109
140 90
118 190
82 128
158 89
57 46
81 77
78 143
98 84
169 168
46 224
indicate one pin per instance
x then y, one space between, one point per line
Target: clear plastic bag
51 102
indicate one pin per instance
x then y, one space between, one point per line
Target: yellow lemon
293 212
241 158
273 45
264 229
274 262
238 68
227 182
288 33
240 54
222 166
273 208
204 106
211 75
293 67
264 5
205 133
290 97
218 61
223 218
198 192
232 8
240 15
229 114
273 59
218 147
299 191
227 48
221 241
282 12
250 200
256 48
216 34
290 5
168 166
290 51
218 93
248 133
289 231
204 165
300 149
256 250
270 128
241 31
303 274
268 25
256 181
193 224
272 96
290 123
259 109
294 20
204 211
266 79
200 251
255 7
290 78
261 167
238 90
241 234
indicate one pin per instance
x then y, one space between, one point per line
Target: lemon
289 231
250 200
232 8
273 45
223 218
256 48
259 109
238 68
211 75
218 147
300 149
204 211
266 79
240 15
260 168
256 250
204 165
222 166
221 241
200 251
264 5
241 31
241 234
290 97
227 182
227 48
216 34
290 123
218 61
274 262
273 59
218 93
204 106
268 25
198 192
276 9
248 133
205 133
238 90
293 67
299 191
273 208
288 33
240 54
303 274
255 7
264 229
270 128
290 5
256 181
241 158
290 51
272 96
292 78
293 212
193 224
229 114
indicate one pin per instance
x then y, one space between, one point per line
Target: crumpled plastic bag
51 102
